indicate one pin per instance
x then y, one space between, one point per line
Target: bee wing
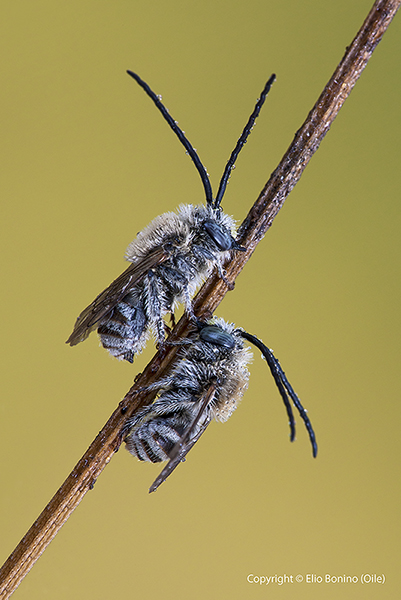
181 449
107 300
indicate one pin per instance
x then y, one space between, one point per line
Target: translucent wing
111 296
181 449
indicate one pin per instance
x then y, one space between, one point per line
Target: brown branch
252 230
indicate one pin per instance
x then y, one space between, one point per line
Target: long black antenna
241 141
180 134
284 387
191 150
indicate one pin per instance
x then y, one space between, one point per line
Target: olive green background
87 161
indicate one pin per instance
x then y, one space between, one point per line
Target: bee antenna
180 134
285 389
241 141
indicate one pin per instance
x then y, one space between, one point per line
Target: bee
206 383
168 259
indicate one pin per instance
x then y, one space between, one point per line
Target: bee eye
221 236
215 335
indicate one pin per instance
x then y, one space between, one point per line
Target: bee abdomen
124 332
153 441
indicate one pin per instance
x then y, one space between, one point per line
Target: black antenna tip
314 450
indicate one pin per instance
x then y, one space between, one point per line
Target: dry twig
252 230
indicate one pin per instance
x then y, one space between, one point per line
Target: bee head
216 335
221 236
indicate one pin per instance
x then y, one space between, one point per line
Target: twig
252 230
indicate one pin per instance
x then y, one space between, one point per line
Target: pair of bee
168 261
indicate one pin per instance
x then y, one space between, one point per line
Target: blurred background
87 161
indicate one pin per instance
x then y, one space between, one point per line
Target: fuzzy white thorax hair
181 223
236 365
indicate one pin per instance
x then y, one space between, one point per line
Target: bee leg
188 305
154 307
167 329
160 330
222 275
